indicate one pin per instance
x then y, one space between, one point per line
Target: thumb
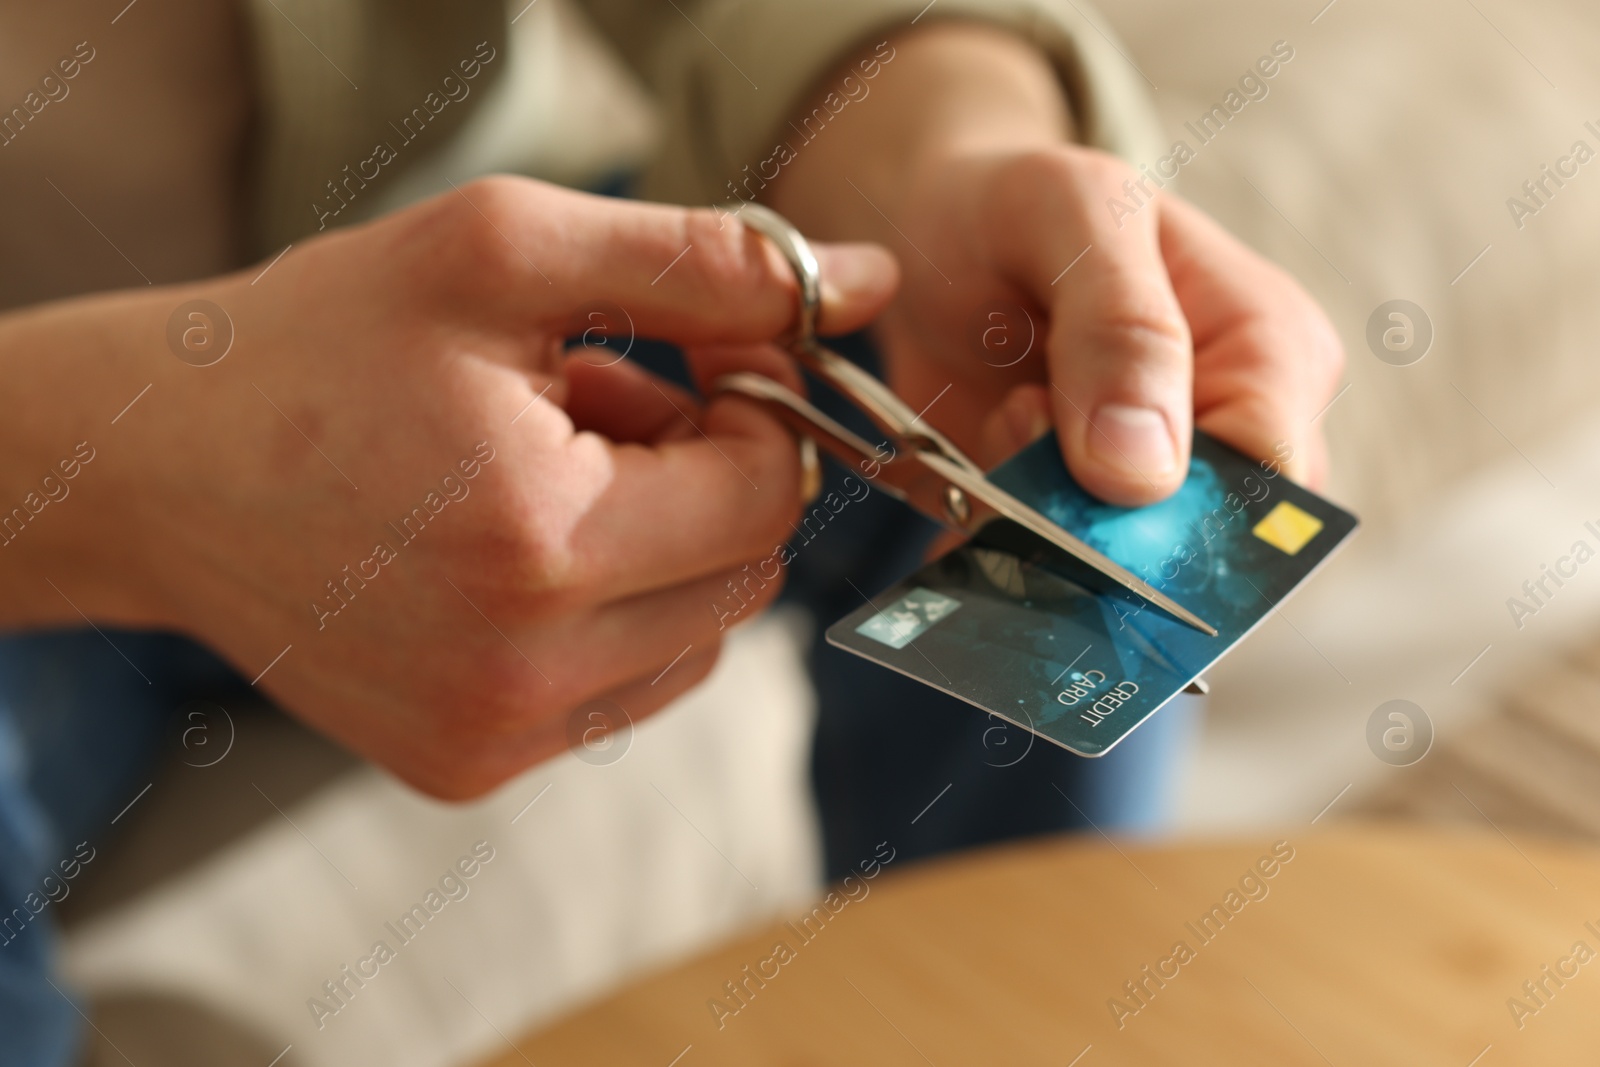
1120 354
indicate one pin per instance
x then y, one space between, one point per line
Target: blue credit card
1058 650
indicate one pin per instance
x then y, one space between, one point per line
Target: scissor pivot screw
956 505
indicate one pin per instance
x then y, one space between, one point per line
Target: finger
554 734
627 403
1267 361
642 698
652 647
1310 465
1119 350
644 637
1019 420
604 520
943 542
858 281
709 362
685 275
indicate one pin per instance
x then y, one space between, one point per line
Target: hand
1165 322
531 531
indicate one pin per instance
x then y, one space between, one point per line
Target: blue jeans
80 730
82 722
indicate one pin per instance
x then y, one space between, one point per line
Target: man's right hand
459 532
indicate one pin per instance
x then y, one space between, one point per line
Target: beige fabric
1381 164
567 109
730 72
333 77
1532 767
699 828
1379 168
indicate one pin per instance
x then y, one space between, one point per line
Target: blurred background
1377 169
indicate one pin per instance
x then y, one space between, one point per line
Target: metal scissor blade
894 470
989 501
877 401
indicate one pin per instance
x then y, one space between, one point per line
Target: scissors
925 469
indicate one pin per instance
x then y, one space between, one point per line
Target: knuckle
1065 167
527 552
1020 184
773 521
498 198
445 242
516 585
481 728
534 569
1044 165
732 259
1104 169
1130 330
695 671
1306 327
1327 350
508 699
782 473
757 584
488 220
465 777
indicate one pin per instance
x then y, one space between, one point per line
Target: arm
732 74
962 160
985 153
459 533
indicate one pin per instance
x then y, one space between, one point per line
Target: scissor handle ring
796 251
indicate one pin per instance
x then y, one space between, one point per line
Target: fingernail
1038 427
1027 424
1132 439
810 471
852 270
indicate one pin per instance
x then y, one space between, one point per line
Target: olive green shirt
353 93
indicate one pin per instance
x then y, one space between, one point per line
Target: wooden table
1373 945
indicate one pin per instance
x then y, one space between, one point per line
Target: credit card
1075 659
